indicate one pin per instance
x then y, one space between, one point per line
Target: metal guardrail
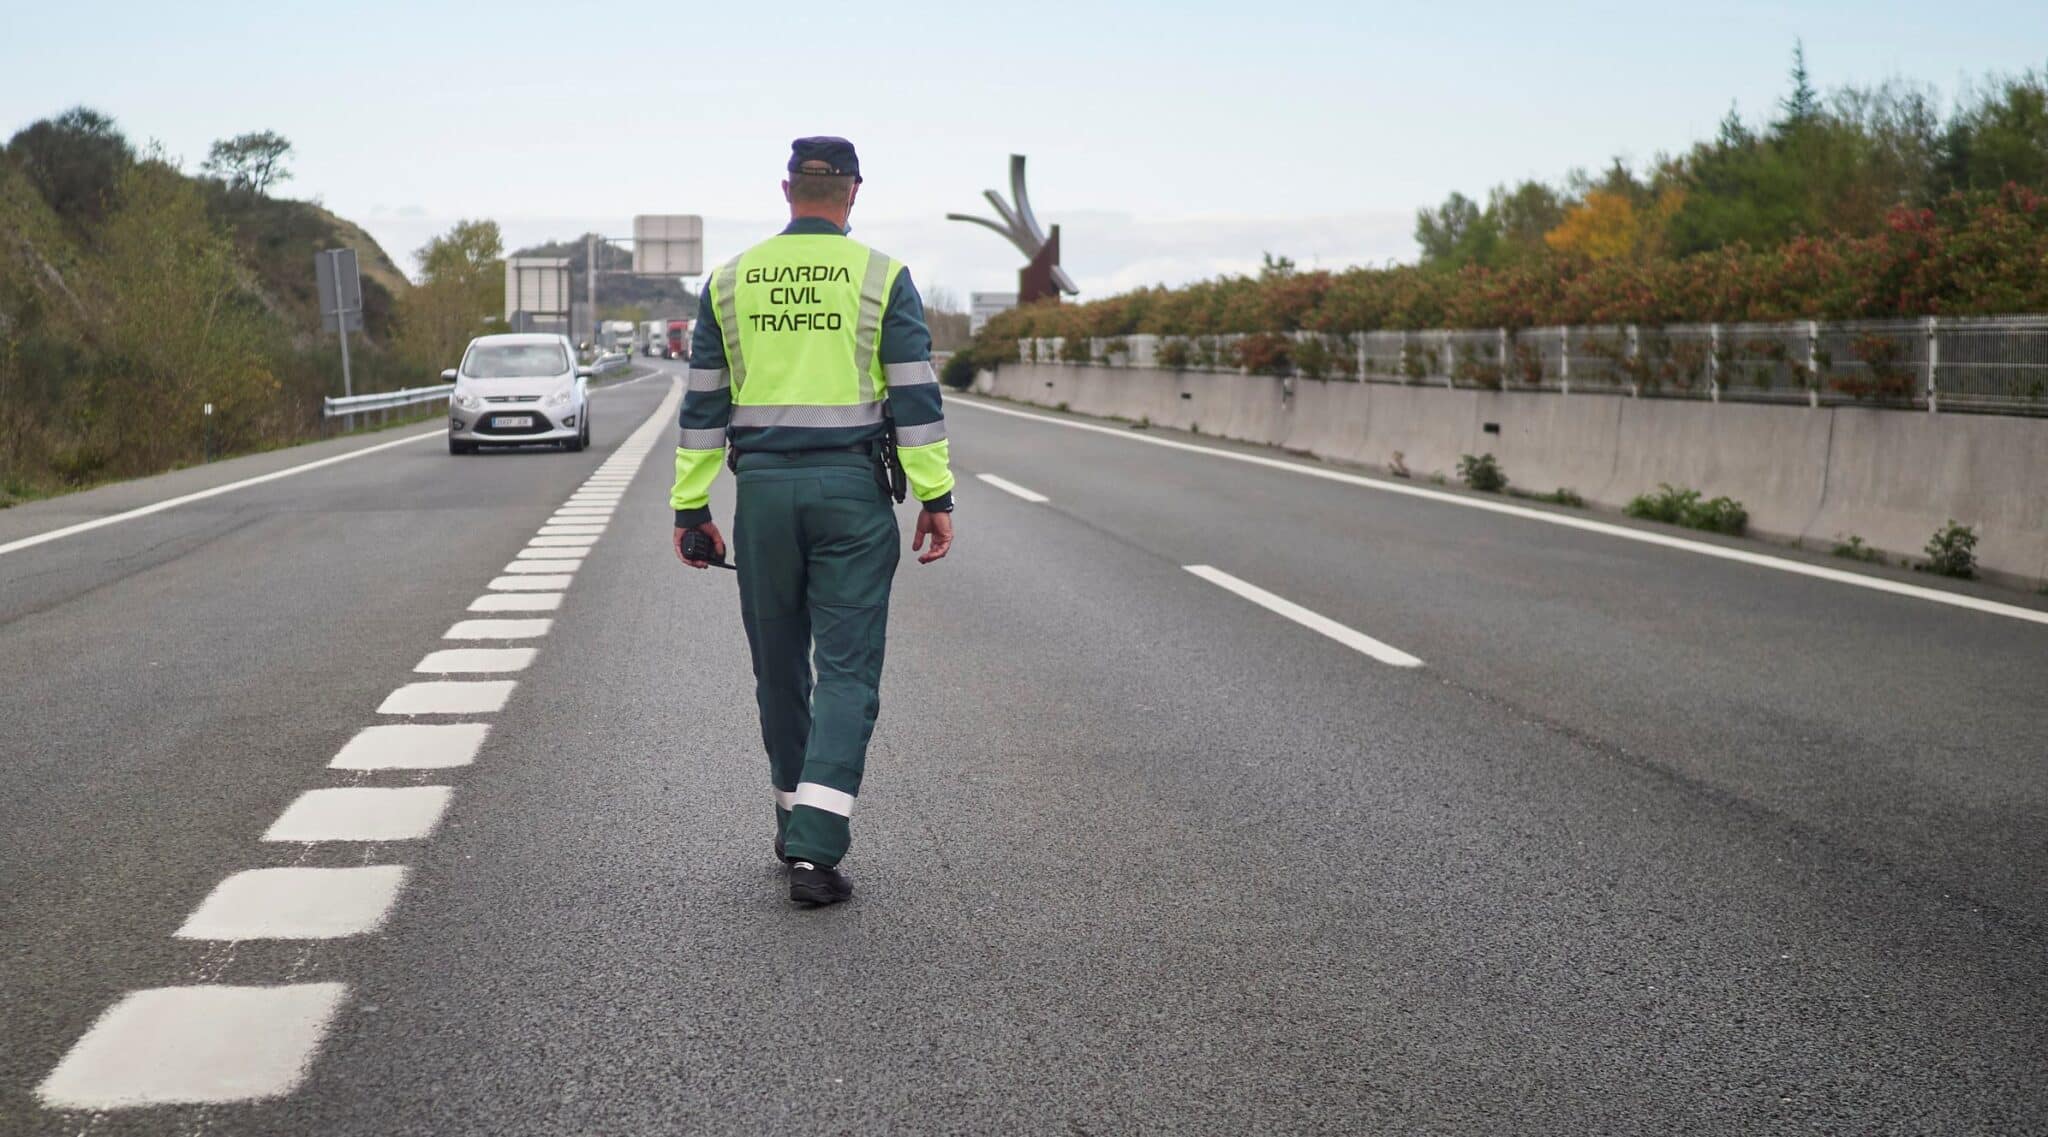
1992 365
412 396
383 400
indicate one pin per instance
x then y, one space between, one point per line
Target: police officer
810 352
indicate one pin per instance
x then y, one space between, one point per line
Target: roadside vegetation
1866 202
133 294
1952 551
1675 506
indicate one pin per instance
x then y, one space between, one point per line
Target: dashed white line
572 528
453 660
362 813
517 602
553 554
580 540
498 629
539 566
1350 637
449 697
530 583
188 1045
1010 487
296 903
412 746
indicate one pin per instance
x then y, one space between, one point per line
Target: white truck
653 338
616 336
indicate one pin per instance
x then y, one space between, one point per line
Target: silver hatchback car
516 390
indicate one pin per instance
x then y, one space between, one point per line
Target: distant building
981 306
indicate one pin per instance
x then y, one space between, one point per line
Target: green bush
960 370
1952 551
1855 550
1563 495
1675 506
1482 473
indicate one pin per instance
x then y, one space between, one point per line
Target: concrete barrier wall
1809 475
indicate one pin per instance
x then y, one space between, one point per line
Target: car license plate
507 422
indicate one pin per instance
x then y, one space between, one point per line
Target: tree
462 286
2002 138
75 161
1802 104
250 163
1456 233
1602 227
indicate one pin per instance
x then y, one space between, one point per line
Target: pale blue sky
1171 140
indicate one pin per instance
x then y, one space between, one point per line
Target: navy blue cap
836 153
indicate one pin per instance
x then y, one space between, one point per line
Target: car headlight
467 401
560 398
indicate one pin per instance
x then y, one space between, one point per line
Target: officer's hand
709 529
937 526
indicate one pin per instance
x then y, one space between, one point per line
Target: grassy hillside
133 294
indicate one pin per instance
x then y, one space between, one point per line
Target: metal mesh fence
1988 364
1996 365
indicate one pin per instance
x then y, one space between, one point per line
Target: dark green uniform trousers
817 546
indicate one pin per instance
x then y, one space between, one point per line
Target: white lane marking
202 495
585 511
498 629
578 517
476 660
553 554
1350 637
1010 487
534 565
412 746
175 1045
576 541
361 813
554 583
566 530
449 697
1643 536
822 797
517 602
296 903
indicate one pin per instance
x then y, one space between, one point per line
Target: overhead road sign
668 244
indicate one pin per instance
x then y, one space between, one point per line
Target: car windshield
515 361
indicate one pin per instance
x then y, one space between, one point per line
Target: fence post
1361 355
1503 353
1714 362
1402 363
1812 363
1564 359
1933 362
1449 356
1635 388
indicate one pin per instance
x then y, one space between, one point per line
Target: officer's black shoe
809 884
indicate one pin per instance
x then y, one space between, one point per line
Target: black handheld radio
697 546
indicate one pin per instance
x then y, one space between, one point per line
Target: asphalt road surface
1208 797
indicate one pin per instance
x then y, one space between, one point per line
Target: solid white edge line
1642 536
1314 621
216 491
1012 488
